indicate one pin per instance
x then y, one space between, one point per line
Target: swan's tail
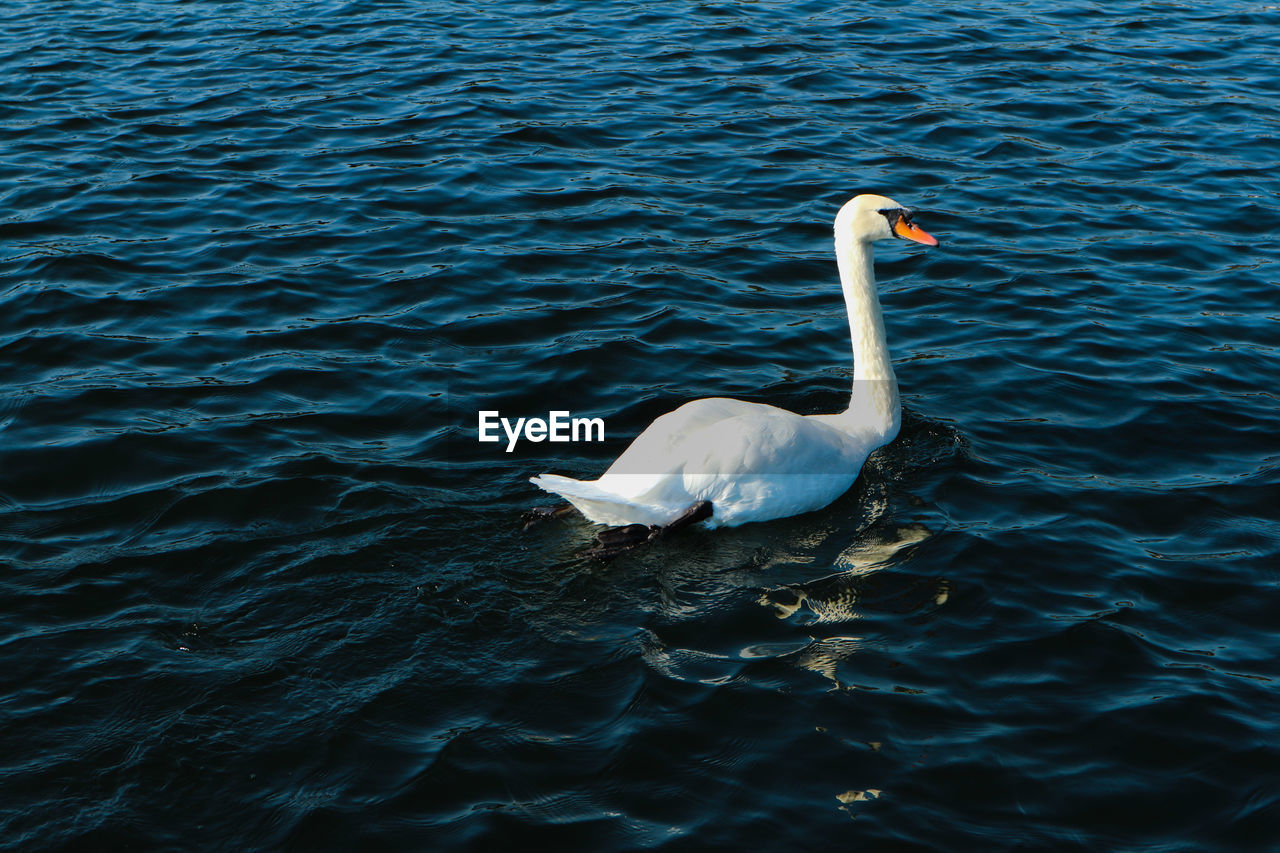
598 504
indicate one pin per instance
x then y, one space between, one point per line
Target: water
263 264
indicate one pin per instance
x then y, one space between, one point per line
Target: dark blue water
262 264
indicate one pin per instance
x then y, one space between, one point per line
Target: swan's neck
874 402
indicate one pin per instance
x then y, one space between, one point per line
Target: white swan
755 462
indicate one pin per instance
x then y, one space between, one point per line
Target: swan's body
755 462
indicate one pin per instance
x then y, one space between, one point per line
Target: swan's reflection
833 598
824 656
844 596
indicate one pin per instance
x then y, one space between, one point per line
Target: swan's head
867 218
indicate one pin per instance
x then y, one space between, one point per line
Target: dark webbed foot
539 514
617 540
698 512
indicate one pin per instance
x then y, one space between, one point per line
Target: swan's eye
893 214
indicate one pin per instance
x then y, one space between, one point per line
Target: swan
729 462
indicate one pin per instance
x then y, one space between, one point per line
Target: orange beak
910 231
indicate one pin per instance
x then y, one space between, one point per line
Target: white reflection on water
834 598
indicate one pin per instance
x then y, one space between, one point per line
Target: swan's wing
767 440
666 444
774 464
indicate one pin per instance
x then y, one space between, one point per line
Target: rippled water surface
262 264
